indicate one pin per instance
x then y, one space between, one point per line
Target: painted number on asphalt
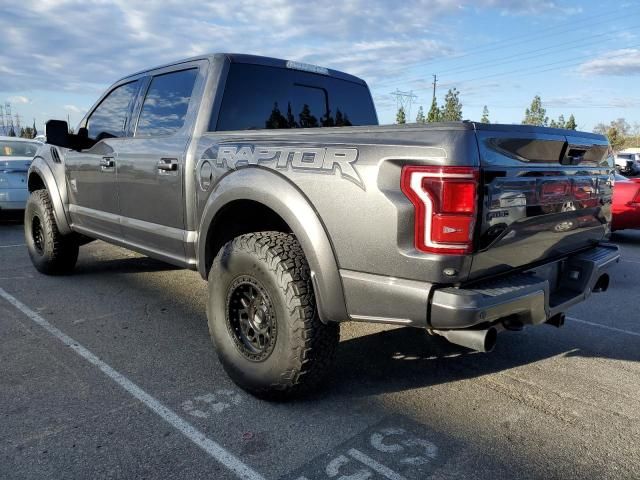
203 406
397 445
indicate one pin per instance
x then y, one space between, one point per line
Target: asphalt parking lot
110 373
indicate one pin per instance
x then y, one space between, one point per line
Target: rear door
547 193
91 173
151 162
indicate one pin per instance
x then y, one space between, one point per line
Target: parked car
627 162
626 203
16 155
274 181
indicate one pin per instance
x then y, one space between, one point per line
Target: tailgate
546 193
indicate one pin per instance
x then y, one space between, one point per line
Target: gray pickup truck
272 179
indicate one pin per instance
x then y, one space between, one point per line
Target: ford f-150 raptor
274 181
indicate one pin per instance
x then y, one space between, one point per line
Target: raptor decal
317 160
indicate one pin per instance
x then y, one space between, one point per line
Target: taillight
445 201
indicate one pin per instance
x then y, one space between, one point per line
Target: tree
276 119
35 130
420 118
571 123
401 118
561 122
616 139
12 132
291 120
306 119
452 109
600 128
27 132
536 114
485 115
434 112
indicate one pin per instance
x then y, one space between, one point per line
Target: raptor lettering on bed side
318 160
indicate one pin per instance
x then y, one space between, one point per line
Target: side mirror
57 133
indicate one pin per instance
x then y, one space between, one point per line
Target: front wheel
263 318
51 252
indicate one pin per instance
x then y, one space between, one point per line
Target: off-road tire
304 347
51 252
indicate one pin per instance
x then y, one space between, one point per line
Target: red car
626 203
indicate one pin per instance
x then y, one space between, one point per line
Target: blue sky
581 57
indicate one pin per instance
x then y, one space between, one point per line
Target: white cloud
19 99
618 62
73 109
73 45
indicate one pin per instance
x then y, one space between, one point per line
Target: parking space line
215 450
13 246
606 327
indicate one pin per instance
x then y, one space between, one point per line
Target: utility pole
435 81
404 101
8 117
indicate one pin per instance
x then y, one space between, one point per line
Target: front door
91 173
151 165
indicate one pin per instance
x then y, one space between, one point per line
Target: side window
165 106
108 120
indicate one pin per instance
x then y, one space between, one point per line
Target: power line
536 53
404 101
523 39
533 69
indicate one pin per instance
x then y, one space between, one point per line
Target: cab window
109 119
165 106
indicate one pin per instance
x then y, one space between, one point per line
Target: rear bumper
530 297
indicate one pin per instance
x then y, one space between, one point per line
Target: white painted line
372 464
12 246
214 449
606 327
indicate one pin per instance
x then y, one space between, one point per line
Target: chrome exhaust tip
479 340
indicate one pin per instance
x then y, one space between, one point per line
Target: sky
581 57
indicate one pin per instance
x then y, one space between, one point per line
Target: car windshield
18 149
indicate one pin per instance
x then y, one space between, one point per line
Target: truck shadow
95 266
11 218
405 358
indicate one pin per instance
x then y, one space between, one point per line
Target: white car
628 162
16 155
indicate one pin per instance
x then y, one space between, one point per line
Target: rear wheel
51 252
263 318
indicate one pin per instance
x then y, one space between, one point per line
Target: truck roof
251 59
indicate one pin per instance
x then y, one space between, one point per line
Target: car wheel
51 252
263 318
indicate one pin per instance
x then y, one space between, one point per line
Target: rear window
18 149
260 97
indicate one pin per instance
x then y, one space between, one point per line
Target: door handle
107 163
168 165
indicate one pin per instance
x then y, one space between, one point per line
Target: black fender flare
39 167
281 196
